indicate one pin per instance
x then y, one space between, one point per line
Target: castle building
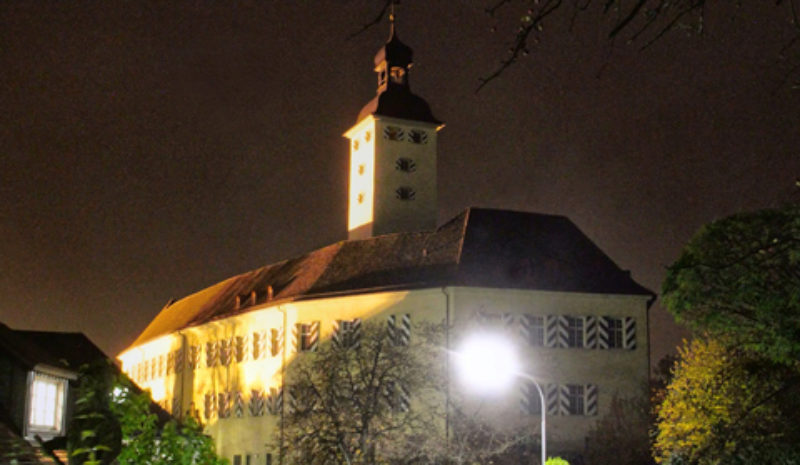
581 322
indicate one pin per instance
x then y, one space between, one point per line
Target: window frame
58 415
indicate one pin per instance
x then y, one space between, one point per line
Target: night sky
149 149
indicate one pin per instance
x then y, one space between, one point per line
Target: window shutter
238 404
563 331
313 336
336 338
529 401
590 332
404 330
211 353
602 332
225 353
276 341
551 393
258 403
590 391
629 333
391 327
551 331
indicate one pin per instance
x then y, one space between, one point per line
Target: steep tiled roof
479 247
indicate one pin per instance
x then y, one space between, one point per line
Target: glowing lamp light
487 363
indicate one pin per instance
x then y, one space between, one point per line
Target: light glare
487 363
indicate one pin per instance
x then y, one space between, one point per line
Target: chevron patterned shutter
590 332
176 407
170 363
337 336
210 405
179 360
211 353
238 404
603 340
355 334
629 333
404 330
224 404
313 336
564 403
551 393
590 391
551 331
225 352
563 331
391 327
240 348
276 341
529 401
258 403
275 402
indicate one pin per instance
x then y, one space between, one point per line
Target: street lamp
487 363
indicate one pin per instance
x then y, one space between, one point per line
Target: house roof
480 247
55 349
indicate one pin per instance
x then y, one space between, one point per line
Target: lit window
46 403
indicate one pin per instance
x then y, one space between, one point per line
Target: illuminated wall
230 373
392 177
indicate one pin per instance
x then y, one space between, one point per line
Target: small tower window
417 136
393 133
355 144
360 197
361 168
405 165
405 193
367 136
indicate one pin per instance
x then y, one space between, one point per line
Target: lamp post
487 363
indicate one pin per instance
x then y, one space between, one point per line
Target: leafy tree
726 405
739 277
145 442
94 435
114 422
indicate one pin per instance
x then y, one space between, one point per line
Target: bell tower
392 153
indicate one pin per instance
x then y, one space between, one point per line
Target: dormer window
46 404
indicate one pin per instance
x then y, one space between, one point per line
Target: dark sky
149 149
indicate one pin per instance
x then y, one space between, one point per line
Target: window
347 333
573 399
306 336
46 403
416 136
530 401
398 329
532 329
404 193
237 459
406 165
614 333
574 328
393 133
